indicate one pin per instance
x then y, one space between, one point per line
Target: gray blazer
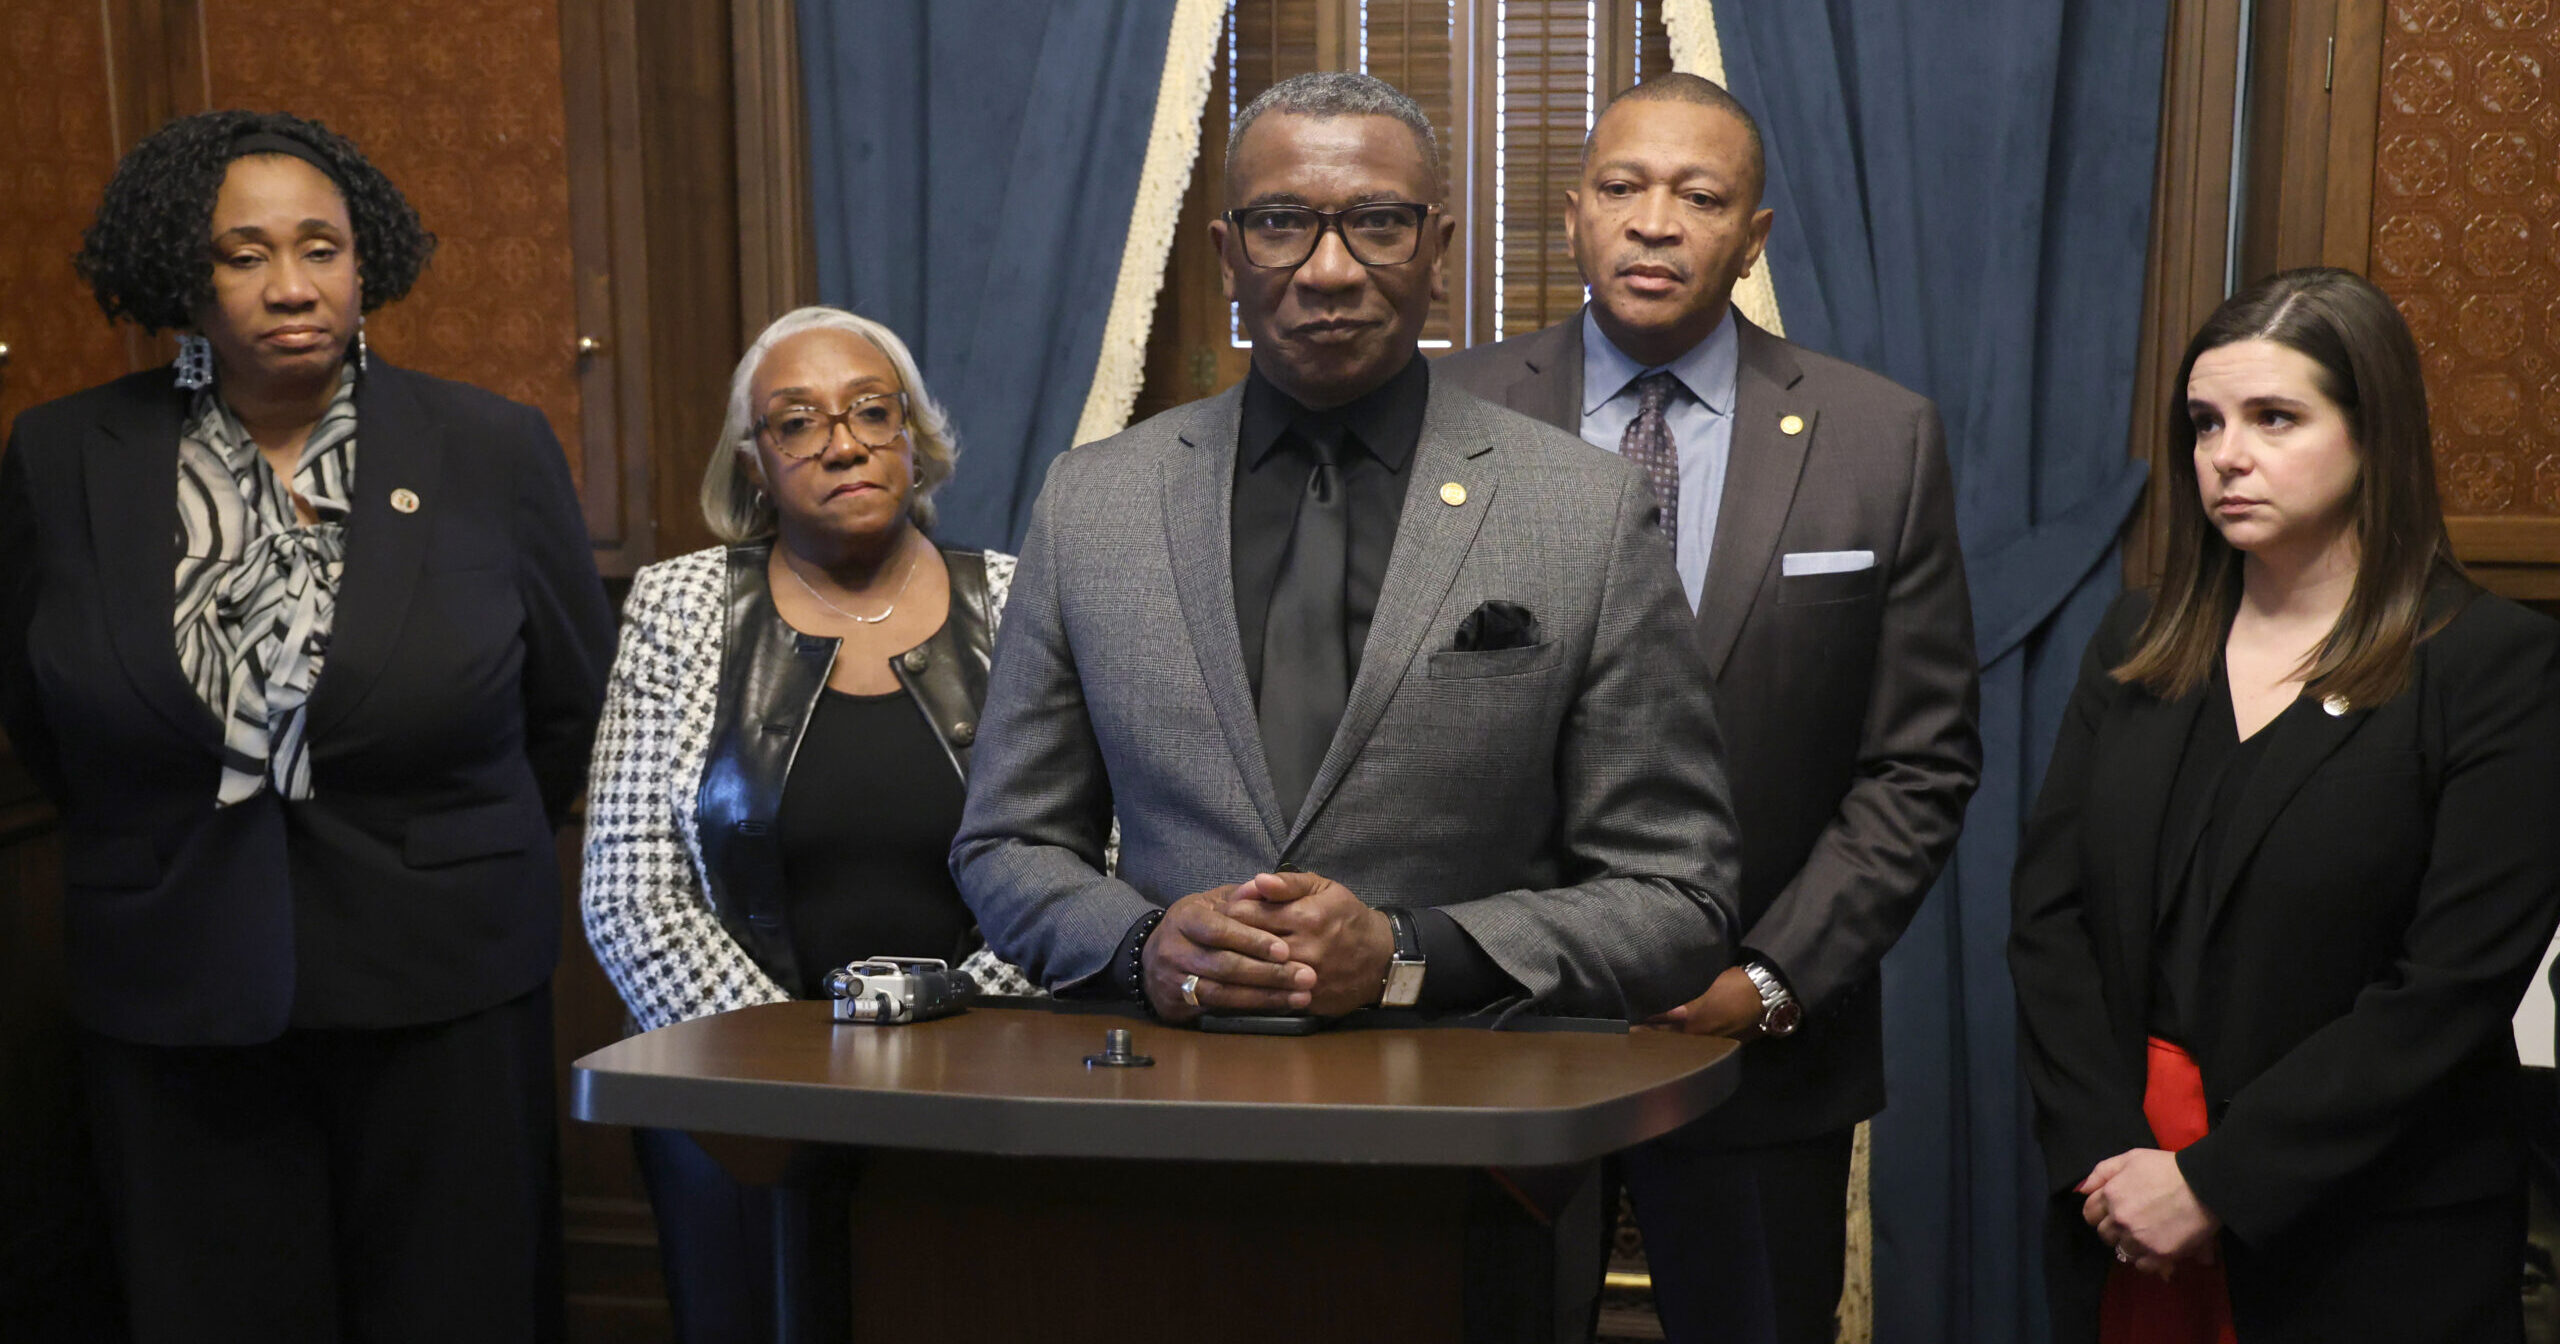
1565 799
1850 697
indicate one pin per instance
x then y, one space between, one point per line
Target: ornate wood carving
2466 238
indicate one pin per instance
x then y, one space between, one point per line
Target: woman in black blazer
307 649
2294 862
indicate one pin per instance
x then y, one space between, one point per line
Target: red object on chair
2194 1307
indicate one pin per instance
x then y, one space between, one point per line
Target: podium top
1011 1080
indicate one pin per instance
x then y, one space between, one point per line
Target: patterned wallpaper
53 89
2466 237
459 102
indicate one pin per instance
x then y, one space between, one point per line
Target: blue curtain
972 167
1963 196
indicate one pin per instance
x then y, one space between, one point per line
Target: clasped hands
2141 1205
1275 943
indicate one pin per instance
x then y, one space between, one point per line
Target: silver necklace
885 612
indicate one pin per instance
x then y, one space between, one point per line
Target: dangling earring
194 363
361 364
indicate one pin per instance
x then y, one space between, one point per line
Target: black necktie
1306 675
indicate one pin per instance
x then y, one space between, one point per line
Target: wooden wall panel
59 86
56 89
459 102
2466 238
688 121
56 1272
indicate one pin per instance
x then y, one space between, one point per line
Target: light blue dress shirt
1701 428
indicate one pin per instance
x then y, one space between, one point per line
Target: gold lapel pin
1453 494
2335 704
405 500
1791 424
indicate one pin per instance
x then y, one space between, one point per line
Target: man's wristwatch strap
1405 965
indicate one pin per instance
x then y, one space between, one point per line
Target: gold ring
1191 990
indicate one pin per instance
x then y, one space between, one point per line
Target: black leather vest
770 677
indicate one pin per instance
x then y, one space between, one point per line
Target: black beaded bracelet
1132 971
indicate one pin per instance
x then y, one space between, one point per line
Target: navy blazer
449 726
2387 884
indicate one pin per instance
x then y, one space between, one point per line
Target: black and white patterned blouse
644 888
257 586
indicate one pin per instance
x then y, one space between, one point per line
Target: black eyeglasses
1379 233
803 431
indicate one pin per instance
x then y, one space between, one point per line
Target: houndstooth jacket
644 890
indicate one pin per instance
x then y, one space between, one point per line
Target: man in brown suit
1814 527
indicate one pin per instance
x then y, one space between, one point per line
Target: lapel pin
1453 494
405 500
2335 704
1791 424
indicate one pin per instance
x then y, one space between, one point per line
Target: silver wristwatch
1780 1014
1403 987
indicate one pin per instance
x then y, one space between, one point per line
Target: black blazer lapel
1761 471
2152 743
2293 756
1199 504
1432 538
398 447
130 472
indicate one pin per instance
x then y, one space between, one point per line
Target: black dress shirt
1380 434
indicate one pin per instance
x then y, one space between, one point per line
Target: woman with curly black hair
308 650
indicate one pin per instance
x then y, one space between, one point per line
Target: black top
2212 776
1380 433
866 822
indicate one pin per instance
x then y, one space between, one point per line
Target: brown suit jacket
1849 699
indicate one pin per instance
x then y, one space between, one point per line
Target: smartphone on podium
1258 1024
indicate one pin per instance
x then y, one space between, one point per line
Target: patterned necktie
1647 443
1306 677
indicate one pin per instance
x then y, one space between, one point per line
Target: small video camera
891 991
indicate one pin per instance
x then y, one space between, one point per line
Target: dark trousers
1744 1244
751 1264
380 1186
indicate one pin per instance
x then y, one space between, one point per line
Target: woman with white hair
786 734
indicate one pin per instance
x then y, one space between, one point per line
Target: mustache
1679 269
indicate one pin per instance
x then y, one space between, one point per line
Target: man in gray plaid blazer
1513 789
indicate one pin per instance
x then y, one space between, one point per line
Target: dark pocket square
1497 625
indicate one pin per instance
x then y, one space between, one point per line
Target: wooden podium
1242 1188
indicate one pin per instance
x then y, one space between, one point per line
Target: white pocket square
1795 563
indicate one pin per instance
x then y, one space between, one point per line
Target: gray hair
1340 93
736 510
